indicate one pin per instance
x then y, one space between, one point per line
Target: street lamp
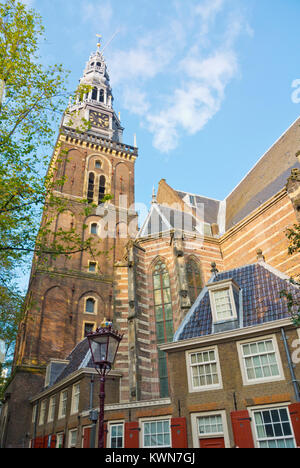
104 344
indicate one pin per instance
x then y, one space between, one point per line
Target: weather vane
99 37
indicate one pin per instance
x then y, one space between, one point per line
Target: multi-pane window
94 228
260 361
72 438
223 304
273 428
204 369
92 267
52 405
211 424
116 435
75 398
102 183
59 440
88 328
163 319
157 433
42 412
193 279
91 184
63 404
90 306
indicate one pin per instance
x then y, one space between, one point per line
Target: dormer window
223 306
224 302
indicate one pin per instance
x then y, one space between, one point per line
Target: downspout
291 366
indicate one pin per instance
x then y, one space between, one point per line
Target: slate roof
261 302
79 357
211 206
161 218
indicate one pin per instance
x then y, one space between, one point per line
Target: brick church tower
71 296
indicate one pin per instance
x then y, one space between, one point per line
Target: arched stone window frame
163 314
88 298
195 285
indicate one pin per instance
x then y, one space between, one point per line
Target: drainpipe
93 415
291 366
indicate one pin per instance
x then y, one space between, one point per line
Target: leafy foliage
33 97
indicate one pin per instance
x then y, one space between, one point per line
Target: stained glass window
163 320
194 279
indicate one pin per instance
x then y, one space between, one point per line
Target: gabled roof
260 287
162 218
80 357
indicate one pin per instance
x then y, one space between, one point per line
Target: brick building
148 283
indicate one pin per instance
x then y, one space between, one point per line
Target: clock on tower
99 119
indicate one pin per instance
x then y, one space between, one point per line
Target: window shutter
132 434
241 426
105 435
179 434
294 410
86 437
53 441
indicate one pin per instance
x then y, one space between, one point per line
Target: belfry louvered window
194 279
94 94
101 189
163 320
91 185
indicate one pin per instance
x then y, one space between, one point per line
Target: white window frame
75 398
52 407
195 434
262 380
221 286
34 413
110 425
154 419
42 415
97 229
253 409
189 366
59 437
62 415
71 431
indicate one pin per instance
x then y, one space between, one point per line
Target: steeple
96 103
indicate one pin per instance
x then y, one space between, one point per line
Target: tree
33 97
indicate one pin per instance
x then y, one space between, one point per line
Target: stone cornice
226 336
84 140
253 215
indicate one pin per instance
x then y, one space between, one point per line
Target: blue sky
205 85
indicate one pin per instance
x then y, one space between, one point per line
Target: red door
212 443
86 437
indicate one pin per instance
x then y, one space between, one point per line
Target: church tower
71 295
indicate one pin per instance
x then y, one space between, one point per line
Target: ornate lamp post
104 344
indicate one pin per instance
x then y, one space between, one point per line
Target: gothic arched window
91 184
101 95
101 188
194 279
163 320
94 94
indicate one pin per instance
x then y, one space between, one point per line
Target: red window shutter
45 443
86 437
53 441
242 432
132 434
105 435
179 434
294 410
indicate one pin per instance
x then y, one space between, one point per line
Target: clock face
99 120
